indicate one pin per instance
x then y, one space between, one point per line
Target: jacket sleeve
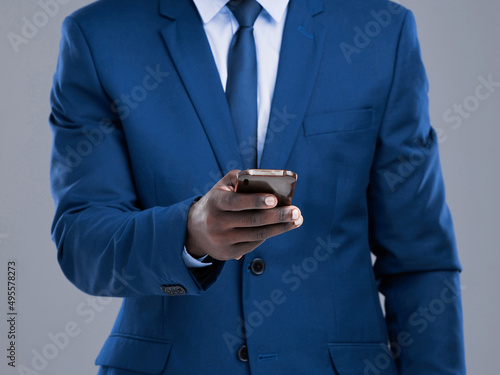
411 230
107 243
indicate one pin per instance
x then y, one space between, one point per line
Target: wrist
191 248
195 251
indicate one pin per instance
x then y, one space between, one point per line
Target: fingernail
298 222
295 214
270 200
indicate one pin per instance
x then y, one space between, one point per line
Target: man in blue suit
156 104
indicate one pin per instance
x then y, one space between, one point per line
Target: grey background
459 42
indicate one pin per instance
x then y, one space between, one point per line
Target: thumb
230 180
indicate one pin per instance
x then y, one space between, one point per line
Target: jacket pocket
362 358
339 121
143 355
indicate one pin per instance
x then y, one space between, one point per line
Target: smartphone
279 182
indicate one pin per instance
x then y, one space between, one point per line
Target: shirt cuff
191 262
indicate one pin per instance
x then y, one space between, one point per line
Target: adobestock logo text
30 26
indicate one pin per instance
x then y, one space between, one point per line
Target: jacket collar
301 51
172 8
209 8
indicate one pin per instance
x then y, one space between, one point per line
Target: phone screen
279 182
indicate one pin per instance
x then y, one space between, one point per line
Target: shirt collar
209 8
276 8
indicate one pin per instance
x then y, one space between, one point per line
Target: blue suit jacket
141 128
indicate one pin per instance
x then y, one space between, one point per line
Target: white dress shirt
220 25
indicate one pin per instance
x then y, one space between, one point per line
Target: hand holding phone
227 225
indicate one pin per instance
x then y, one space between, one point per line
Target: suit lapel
300 55
190 51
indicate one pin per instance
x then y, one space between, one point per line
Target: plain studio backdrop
459 42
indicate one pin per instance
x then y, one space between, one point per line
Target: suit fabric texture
142 128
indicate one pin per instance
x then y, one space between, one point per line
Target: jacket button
257 266
173 290
242 353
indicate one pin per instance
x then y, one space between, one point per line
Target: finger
229 181
232 201
262 233
255 218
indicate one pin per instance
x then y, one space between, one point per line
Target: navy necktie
241 87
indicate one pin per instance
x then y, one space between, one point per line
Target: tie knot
245 11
